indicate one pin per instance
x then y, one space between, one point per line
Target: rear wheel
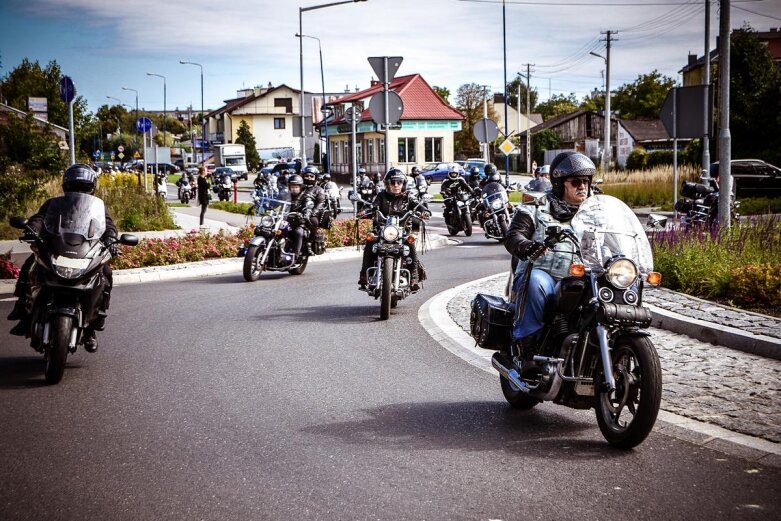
57 352
252 266
627 415
387 288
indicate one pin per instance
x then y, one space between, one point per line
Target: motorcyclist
298 203
420 182
474 178
77 178
394 200
540 183
318 196
451 186
571 174
492 175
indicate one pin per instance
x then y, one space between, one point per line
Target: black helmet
415 171
492 174
569 164
326 177
394 174
295 179
310 175
474 171
489 169
79 178
309 169
452 172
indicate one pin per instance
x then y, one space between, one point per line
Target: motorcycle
185 191
67 279
389 279
494 211
593 350
162 186
701 206
367 191
224 188
267 250
263 197
458 213
334 194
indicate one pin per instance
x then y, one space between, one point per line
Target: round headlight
267 221
622 273
390 233
497 204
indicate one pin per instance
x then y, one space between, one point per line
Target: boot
90 340
363 283
21 328
19 311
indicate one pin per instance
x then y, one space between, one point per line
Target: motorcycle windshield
76 213
494 191
606 227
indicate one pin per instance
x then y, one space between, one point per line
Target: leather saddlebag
491 322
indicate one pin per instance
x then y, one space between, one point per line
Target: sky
105 45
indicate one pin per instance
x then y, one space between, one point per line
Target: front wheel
627 415
387 288
252 265
467 224
57 352
502 227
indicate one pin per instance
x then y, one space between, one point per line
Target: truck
234 157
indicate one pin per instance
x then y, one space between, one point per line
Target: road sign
377 107
485 130
378 65
96 154
393 126
120 148
143 124
689 105
120 155
353 113
67 90
507 147
307 126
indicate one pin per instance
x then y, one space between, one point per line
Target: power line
660 21
593 4
756 13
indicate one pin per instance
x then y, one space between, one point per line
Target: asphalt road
288 399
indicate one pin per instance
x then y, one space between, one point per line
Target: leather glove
28 236
114 250
536 250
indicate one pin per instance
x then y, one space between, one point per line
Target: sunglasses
575 183
396 182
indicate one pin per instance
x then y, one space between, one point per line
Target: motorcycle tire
57 353
452 230
394 301
638 393
468 224
502 228
252 266
387 288
300 268
517 399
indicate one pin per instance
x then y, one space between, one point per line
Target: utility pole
609 37
528 119
725 138
708 108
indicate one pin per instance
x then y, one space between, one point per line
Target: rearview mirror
534 198
353 196
18 222
128 239
657 221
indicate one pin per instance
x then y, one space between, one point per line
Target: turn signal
577 270
654 278
278 233
369 237
410 239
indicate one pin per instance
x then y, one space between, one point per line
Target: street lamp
606 154
301 65
134 90
323 108
161 76
203 131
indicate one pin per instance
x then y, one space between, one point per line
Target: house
7 111
649 135
427 126
582 130
516 122
269 112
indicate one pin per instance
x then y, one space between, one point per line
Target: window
433 149
347 157
359 152
381 149
406 150
285 103
370 150
279 123
334 152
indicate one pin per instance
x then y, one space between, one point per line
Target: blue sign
143 124
67 90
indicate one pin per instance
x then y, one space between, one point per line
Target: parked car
210 168
479 163
753 178
222 170
433 172
163 168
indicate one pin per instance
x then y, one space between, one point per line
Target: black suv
753 178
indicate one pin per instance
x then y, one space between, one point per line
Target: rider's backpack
491 322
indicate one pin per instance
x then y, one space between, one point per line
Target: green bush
131 209
636 159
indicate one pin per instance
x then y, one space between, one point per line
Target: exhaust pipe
506 368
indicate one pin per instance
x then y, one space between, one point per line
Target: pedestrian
204 191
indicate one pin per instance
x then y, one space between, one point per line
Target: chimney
692 59
346 89
373 82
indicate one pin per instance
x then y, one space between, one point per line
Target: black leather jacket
390 204
451 186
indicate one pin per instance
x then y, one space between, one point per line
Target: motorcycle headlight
267 221
390 233
497 204
622 273
68 268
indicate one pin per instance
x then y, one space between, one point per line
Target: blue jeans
541 289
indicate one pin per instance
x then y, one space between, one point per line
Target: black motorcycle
67 279
594 350
458 213
700 208
367 191
269 248
494 210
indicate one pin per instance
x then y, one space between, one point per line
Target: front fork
604 345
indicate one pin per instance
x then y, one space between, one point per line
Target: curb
436 320
217 267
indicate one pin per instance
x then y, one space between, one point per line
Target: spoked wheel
387 288
252 265
57 352
467 224
516 399
627 415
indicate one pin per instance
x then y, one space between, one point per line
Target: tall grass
640 188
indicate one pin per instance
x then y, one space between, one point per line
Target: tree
643 98
755 99
557 105
244 137
443 93
543 140
469 100
512 95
